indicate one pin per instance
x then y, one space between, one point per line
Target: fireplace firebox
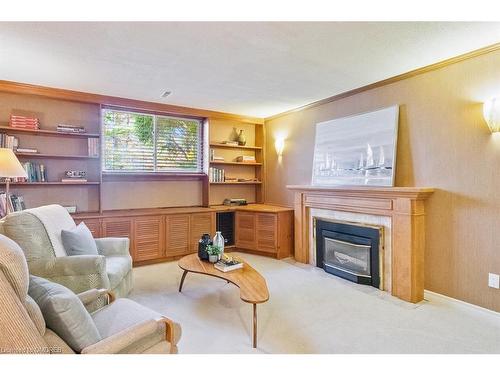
350 250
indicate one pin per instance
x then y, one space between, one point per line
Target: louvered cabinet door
148 238
177 235
245 230
118 227
94 226
267 232
200 224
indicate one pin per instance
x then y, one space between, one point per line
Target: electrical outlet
493 280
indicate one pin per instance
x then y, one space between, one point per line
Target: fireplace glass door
347 256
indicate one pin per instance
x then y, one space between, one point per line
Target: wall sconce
279 145
491 113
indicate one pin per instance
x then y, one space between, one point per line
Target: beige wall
443 143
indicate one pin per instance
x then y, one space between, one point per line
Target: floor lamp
9 168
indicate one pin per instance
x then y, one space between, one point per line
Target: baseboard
429 296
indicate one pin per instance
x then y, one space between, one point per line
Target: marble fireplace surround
400 210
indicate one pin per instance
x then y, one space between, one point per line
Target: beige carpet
310 311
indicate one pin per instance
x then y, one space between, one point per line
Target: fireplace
350 250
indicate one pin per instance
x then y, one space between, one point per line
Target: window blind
142 142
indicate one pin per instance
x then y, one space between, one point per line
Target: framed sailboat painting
357 150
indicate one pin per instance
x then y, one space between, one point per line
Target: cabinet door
267 230
177 235
245 230
200 224
117 227
94 226
148 238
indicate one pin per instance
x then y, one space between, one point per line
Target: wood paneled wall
443 143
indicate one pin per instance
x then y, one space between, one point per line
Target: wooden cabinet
265 232
200 224
245 230
172 233
148 238
177 237
94 226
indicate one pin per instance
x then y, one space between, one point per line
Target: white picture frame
357 150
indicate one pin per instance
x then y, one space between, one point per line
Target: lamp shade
491 113
9 165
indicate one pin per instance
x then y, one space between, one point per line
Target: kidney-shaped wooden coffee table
253 287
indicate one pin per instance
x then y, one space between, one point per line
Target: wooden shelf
51 133
53 156
235 163
17 184
221 145
237 183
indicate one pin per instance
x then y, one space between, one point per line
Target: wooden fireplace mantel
404 205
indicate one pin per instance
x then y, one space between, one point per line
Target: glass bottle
219 242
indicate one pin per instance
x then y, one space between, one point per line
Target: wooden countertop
179 210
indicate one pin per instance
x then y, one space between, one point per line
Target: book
36 172
9 141
65 128
216 174
93 147
230 143
24 122
27 150
15 203
228 264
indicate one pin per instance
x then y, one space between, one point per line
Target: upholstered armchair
122 326
38 232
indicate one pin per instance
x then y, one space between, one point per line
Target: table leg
182 280
255 325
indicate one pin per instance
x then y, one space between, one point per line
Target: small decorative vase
242 140
219 242
213 258
202 246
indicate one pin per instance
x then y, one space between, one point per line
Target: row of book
65 128
216 175
93 144
24 122
36 172
9 141
15 203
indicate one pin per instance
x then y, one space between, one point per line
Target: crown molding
388 81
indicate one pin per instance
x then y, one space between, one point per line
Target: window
148 143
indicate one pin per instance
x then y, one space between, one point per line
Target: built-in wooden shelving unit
60 152
251 190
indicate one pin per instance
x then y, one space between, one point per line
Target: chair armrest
113 246
121 340
91 295
77 272
173 331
